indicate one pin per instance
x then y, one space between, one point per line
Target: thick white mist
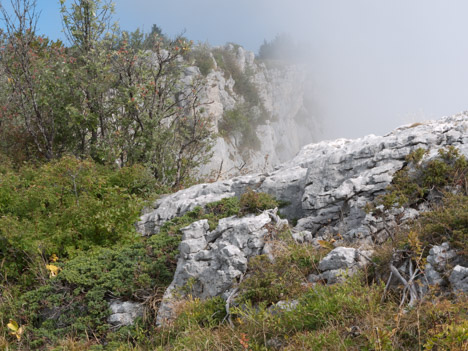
375 64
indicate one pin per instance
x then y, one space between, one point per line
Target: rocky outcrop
442 264
210 262
282 90
459 279
327 185
326 188
438 260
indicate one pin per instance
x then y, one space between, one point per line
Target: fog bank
373 64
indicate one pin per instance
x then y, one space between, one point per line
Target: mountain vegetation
110 95
93 131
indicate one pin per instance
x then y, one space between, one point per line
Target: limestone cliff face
287 128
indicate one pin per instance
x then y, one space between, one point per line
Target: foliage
284 278
67 233
206 314
252 202
63 208
111 95
417 179
247 114
249 202
237 122
447 222
201 57
40 86
76 300
282 47
271 282
159 119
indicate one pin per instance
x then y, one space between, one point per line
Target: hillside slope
351 245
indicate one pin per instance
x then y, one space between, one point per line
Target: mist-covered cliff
260 111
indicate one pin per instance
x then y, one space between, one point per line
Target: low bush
77 278
241 121
447 222
197 313
64 208
270 282
253 202
201 57
418 178
284 278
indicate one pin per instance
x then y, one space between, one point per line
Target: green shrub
447 222
63 208
241 120
338 303
201 57
411 185
450 337
269 282
75 302
285 277
253 202
226 61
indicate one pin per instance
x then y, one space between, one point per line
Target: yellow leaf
53 258
325 244
19 333
13 326
53 270
15 329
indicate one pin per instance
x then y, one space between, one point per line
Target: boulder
459 279
341 262
440 256
124 313
438 262
328 184
211 262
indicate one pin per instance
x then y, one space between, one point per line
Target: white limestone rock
289 127
327 185
342 262
212 261
124 313
440 256
283 306
459 279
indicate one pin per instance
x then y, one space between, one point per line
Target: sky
373 64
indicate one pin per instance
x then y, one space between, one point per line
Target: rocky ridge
327 186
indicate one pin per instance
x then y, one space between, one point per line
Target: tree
108 96
37 82
138 109
160 121
282 47
86 24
